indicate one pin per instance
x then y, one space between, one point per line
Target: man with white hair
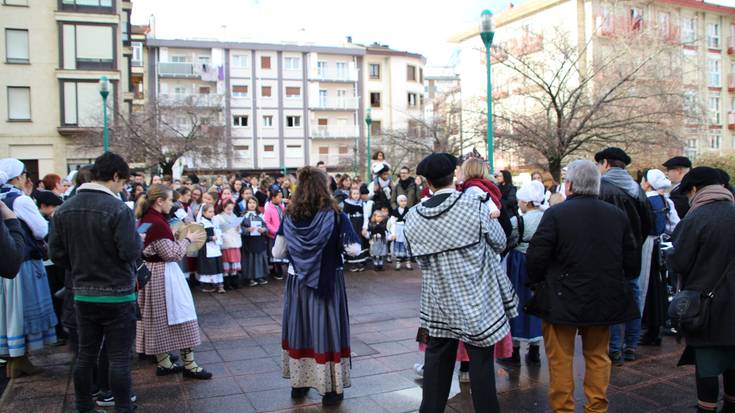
578 263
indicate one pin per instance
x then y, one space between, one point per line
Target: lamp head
104 86
368 118
486 22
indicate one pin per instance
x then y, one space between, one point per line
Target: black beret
724 177
48 198
364 189
678 162
700 176
436 166
612 154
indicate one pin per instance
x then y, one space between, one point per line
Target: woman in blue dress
316 326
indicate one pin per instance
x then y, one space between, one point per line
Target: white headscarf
3 177
12 167
533 191
657 179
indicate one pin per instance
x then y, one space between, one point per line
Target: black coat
585 254
508 198
11 245
704 243
681 201
637 209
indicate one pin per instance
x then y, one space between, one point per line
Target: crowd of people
106 260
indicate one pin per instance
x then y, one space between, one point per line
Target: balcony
731 120
345 103
347 75
196 100
203 71
88 6
333 131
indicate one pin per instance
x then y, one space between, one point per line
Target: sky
419 26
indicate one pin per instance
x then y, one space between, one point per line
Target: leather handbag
690 310
142 273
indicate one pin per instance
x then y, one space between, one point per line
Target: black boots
533 357
514 360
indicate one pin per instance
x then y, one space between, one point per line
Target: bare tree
166 130
563 100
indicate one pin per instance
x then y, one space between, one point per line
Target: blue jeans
631 330
115 323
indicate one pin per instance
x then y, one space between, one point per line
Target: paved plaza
241 333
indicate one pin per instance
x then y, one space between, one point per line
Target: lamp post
104 92
369 121
487 32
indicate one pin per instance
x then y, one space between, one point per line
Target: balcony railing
203 71
347 75
196 100
348 103
336 131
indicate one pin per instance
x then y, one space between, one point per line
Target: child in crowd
254 245
395 227
229 224
378 247
209 260
274 210
224 196
556 198
354 207
525 327
195 215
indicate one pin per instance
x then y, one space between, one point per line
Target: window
268 121
15 2
321 68
293 92
240 121
203 60
688 29
322 121
180 91
292 63
265 62
421 101
636 19
421 75
714 109
137 53
242 152
19 103
604 20
81 104
240 91
16 46
375 71
376 128
713 36
344 150
265 91
88 47
374 99
240 61
714 141
715 78
269 151
177 59
664 24
411 73
341 70
293 121
293 151
692 143
204 90
322 98
87 3
412 100
690 103
324 150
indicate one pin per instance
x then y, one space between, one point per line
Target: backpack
33 249
514 241
660 213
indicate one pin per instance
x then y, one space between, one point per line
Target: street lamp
369 122
487 32
104 92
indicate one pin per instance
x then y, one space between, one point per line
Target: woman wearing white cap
652 286
525 327
27 318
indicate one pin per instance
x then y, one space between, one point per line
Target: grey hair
584 176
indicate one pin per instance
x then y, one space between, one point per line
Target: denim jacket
95 238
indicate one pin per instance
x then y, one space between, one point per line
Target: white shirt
28 212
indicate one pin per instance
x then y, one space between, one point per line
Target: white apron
179 302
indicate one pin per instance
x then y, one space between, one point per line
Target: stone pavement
242 348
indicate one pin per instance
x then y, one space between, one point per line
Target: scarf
487 187
305 247
709 194
352 202
384 183
159 227
7 190
406 183
622 180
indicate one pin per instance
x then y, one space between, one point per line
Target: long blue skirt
316 337
524 327
27 317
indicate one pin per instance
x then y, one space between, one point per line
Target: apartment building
138 59
704 32
285 105
55 52
394 89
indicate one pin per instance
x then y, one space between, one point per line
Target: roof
384 50
140 29
535 6
216 44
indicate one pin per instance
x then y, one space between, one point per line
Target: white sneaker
464 376
419 369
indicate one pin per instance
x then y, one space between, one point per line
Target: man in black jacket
676 169
618 188
579 261
11 242
95 238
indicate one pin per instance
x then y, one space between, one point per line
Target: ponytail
146 201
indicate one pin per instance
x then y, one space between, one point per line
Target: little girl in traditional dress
229 224
209 260
254 245
354 207
395 227
378 247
